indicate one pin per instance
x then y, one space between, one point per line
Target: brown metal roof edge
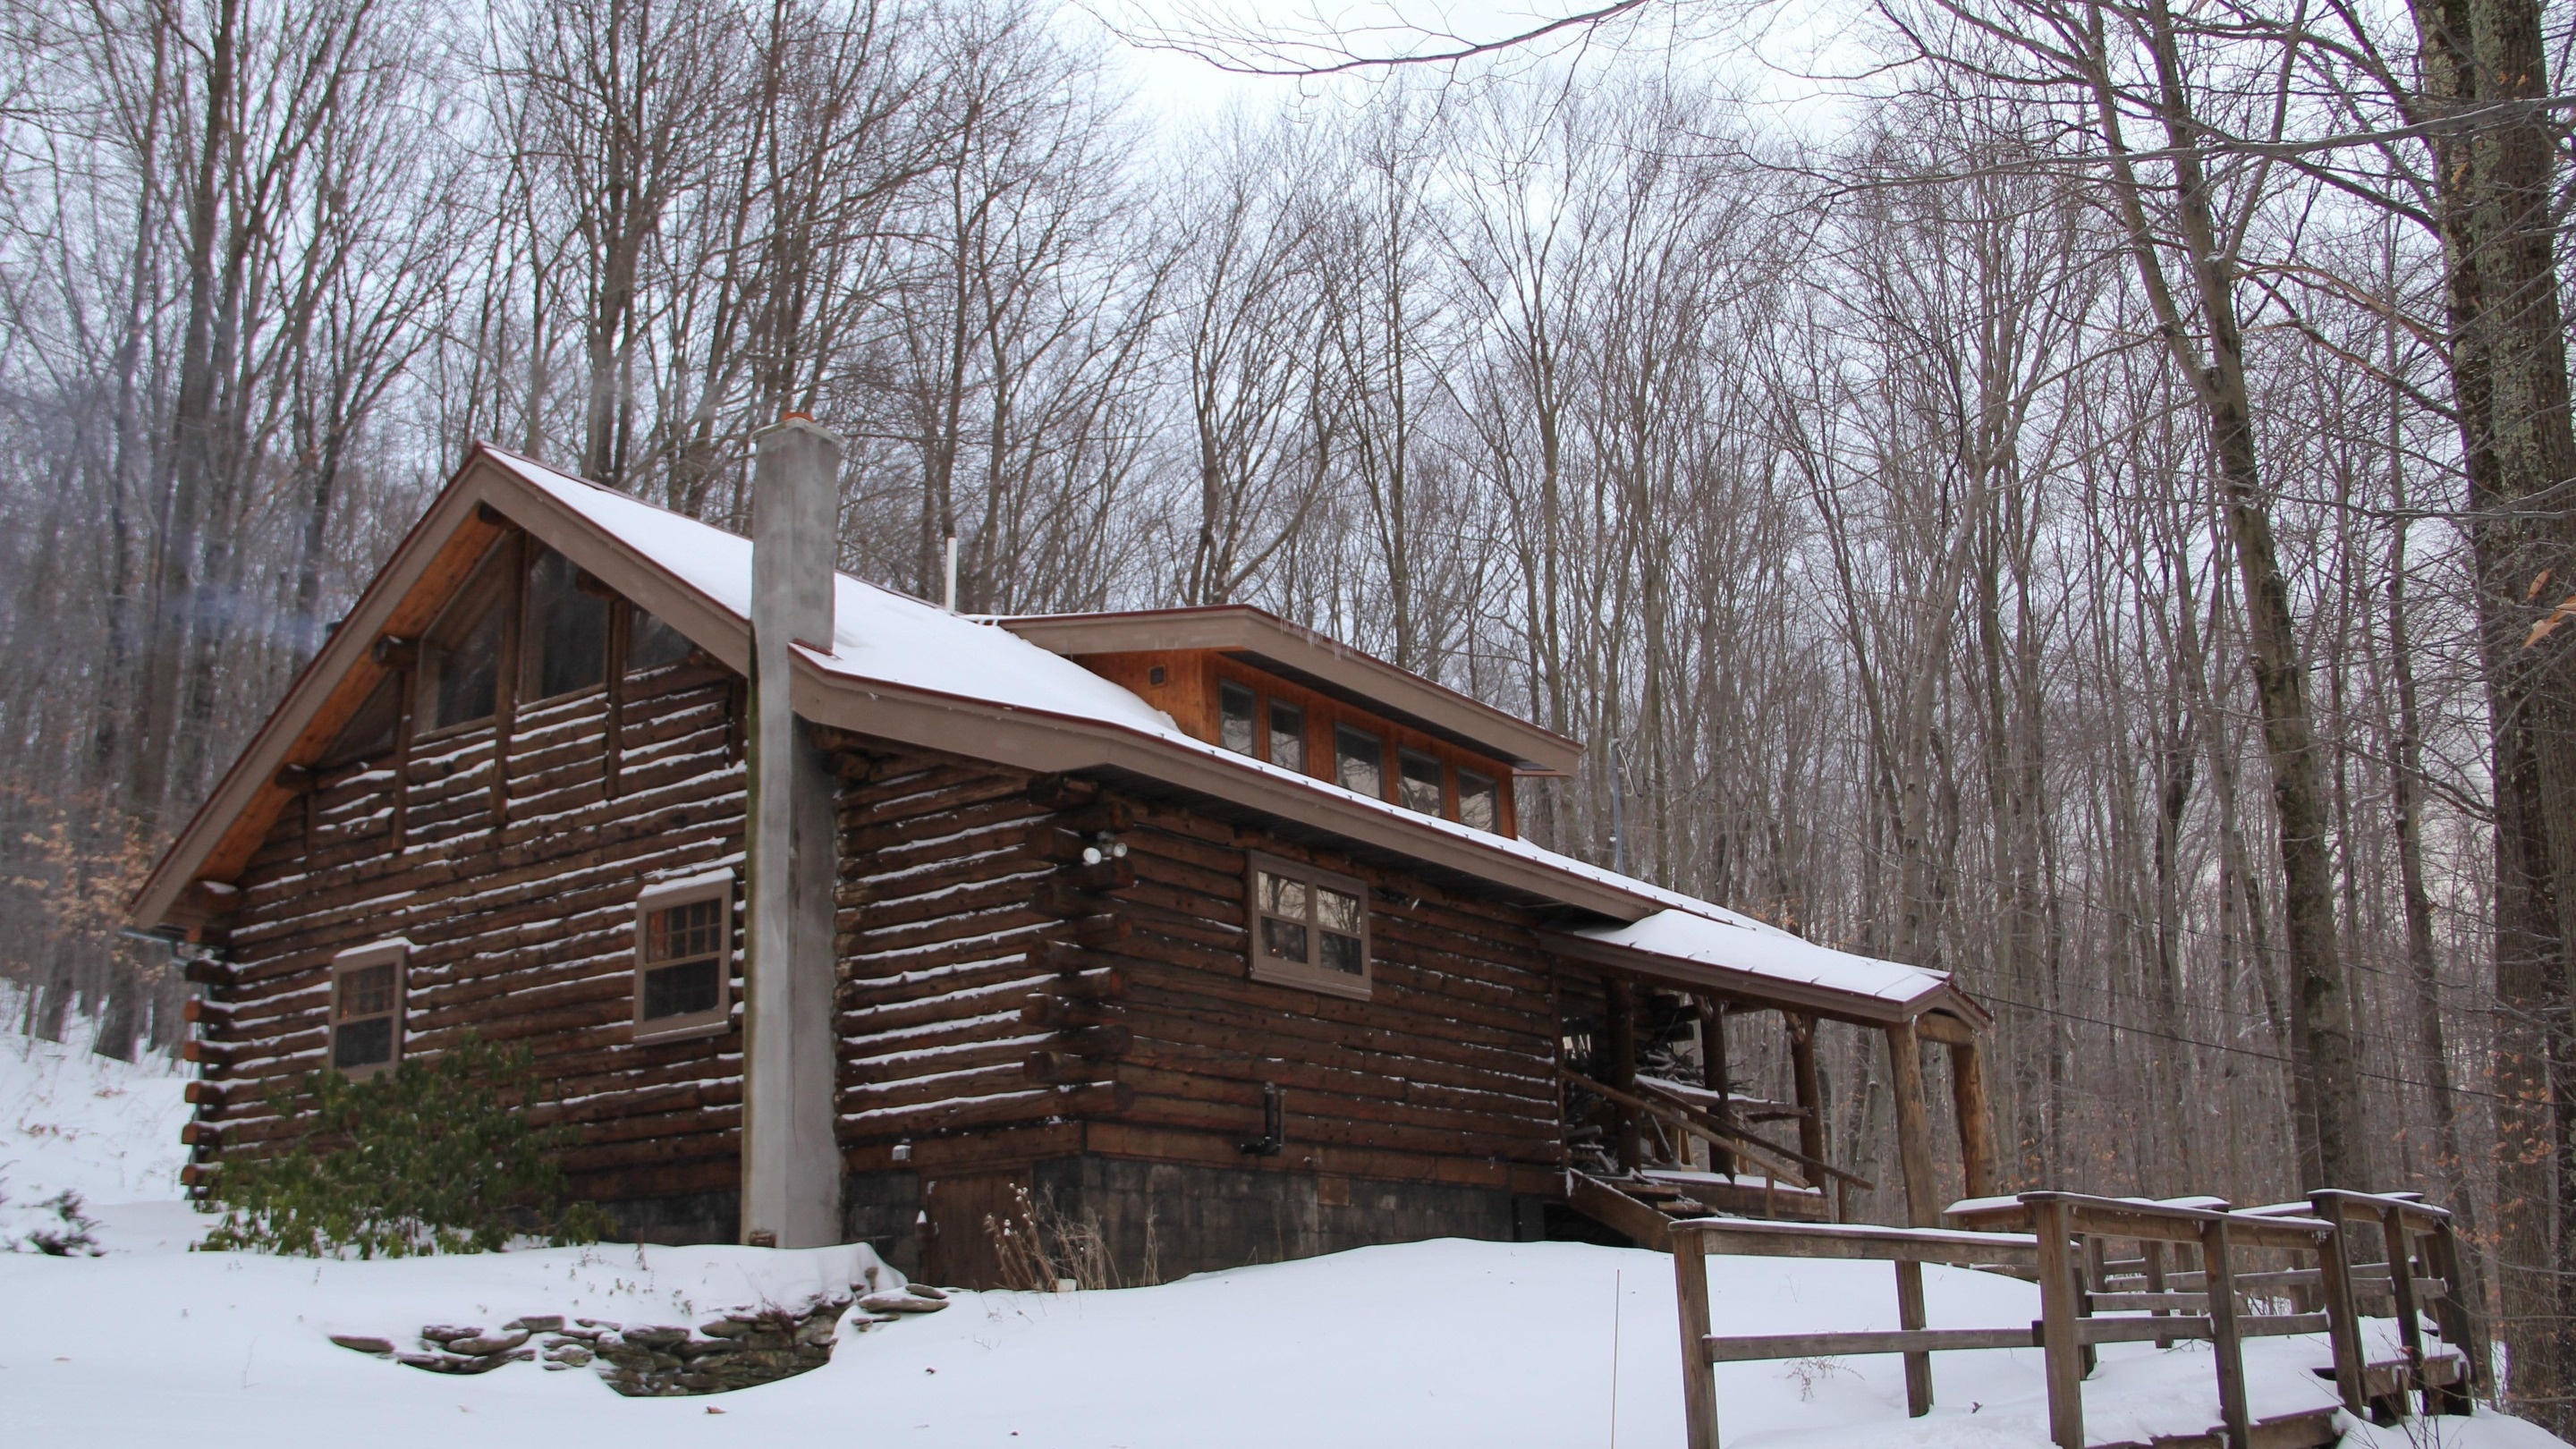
1826 1001
1533 748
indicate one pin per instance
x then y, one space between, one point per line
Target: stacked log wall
522 924
1444 1074
1004 1002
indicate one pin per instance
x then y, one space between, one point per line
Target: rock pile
739 1347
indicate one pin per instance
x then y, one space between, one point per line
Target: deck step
2313 1429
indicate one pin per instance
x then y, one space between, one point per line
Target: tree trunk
2509 386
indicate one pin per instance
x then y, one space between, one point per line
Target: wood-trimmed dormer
1245 680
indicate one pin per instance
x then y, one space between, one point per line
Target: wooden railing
1776 1161
2060 1239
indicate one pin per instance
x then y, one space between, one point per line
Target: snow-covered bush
58 1227
436 1156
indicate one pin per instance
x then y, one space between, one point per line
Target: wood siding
522 932
993 982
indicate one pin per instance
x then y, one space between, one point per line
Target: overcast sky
1771 61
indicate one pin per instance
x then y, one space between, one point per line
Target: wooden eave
1857 1007
1300 655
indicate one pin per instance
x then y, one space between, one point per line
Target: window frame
497 585
532 660
1440 807
1279 971
663 896
396 954
1271 734
1492 791
1355 725
1226 691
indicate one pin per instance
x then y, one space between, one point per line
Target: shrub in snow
56 1227
435 1156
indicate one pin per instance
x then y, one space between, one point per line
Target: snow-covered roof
885 640
1710 937
882 636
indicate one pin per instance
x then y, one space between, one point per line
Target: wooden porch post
1977 1154
1713 1073
1913 1125
1619 1040
1811 1096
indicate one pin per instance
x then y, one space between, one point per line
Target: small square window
1234 717
1418 779
684 959
1359 761
1309 928
1479 805
367 1009
1288 737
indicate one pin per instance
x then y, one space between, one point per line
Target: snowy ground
71 1120
1548 1344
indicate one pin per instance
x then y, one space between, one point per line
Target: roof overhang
1318 661
1939 994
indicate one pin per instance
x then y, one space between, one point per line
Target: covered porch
1661 1124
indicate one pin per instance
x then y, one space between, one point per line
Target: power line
2223 1047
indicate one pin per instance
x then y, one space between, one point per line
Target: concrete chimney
791 1164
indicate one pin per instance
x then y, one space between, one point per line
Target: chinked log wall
524 932
993 981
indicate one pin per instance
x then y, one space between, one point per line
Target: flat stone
434 1363
570 1355
486 1344
599 1323
901 1303
441 1333
536 1323
724 1327
924 1290
363 1344
657 1335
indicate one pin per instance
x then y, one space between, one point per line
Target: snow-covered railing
2052 1235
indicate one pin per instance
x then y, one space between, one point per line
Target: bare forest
2094 518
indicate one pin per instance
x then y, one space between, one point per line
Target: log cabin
831 915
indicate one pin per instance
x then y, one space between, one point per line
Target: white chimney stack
791 1163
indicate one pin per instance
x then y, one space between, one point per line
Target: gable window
1418 781
1309 928
367 1009
1359 761
1287 736
684 958
650 643
1234 714
460 659
563 645
369 734
1479 805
